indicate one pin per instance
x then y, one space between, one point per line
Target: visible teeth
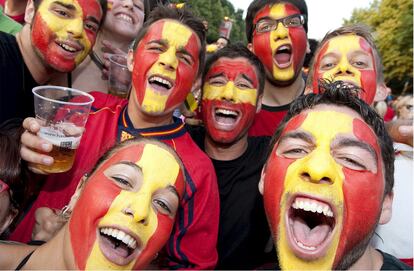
160 80
284 47
125 18
122 236
67 47
312 206
226 112
304 247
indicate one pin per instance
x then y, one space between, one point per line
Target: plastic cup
62 113
119 76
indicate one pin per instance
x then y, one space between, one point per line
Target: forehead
86 7
276 11
347 43
232 67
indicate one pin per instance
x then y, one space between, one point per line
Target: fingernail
33 126
47 161
46 146
405 130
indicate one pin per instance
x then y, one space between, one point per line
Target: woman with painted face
123 215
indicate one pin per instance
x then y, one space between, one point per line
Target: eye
122 181
359 64
217 82
350 162
155 48
61 13
294 152
91 26
162 206
185 58
328 65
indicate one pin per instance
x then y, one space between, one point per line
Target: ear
29 13
259 103
386 212
308 50
250 47
130 60
381 93
261 182
7 221
78 192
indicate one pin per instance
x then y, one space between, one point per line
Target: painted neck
278 96
225 152
34 63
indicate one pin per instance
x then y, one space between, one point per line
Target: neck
225 152
15 7
278 95
116 41
140 120
53 254
370 260
34 63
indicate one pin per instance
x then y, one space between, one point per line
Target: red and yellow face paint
64 31
317 183
229 99
166 63
281 66
109 206
348 58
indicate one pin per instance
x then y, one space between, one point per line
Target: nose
169 60
139 209
228 92
281 32
319 168
75 28
128 4
344 68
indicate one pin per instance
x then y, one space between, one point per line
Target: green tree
392 23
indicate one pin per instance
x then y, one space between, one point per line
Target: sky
323 15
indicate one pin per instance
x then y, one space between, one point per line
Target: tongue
159 87
309 237
116 247
225 120
282 58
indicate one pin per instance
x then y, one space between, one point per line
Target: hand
108 50
48 223
33 147
401 131
190 117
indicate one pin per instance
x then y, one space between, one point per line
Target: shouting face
166 63
126 211
281 50
64 31
323 188
348 58
229 99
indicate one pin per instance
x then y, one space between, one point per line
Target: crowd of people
276 168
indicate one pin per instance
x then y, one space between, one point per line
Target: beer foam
57 137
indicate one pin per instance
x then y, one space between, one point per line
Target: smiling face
229 99
124 17
313 182
126 211
165 67
282 51
348 58
64 31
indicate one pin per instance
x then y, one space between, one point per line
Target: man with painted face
167 58
57 37
121 215
326 185
276 31
233 82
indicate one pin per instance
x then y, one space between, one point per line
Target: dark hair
342 94
181 15
360 30
151 4
234 51
103 3
257 5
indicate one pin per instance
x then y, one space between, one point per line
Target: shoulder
392 263
106 102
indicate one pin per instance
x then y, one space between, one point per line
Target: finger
35 142
31 124
35 157
192 121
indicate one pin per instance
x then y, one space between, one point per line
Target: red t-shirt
18 18
267 120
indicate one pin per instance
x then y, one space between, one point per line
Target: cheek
263 50
185 78
139 72
369 85
299 43
41 34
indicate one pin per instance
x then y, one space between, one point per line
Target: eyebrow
68 6
299 135
93 19
216 75
174 190
350 142
131 164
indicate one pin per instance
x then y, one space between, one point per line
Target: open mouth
283 56
310 227
118 246
226 119
160 84
125 18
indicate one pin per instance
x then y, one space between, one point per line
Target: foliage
392 23
214 12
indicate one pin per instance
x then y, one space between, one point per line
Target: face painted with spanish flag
126 211
229 99
64 31
323 188
348 58
282 51
166 63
